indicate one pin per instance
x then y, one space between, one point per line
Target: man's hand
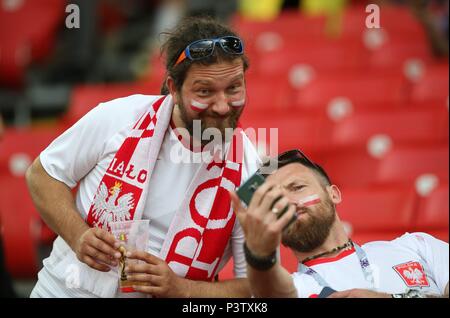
97 248
158 277
261 226
359 293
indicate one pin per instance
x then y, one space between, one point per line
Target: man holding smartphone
330 263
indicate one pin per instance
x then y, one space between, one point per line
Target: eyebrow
295 182
206 82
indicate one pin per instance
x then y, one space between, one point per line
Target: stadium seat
406 164
264 95
350 167
402 126
390 45
86 97
21 227
287 24
359 89
396 54
433 86
308 133
397 20
19 147
433 211
32 37
380 208
327 56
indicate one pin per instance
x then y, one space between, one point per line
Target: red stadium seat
397 20
31 38
392 44
413 126
20 223
86 97
378 90
433 210
395 54
322 56
268 95
433 86
263 37
19 147
288 23
350 168
378 208
310 133
405 164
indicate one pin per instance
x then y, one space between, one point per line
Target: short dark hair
190 30
298 157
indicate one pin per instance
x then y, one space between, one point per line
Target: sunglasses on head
292 155
203 48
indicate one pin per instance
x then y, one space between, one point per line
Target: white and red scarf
201 228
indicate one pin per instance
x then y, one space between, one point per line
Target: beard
306 235
209 120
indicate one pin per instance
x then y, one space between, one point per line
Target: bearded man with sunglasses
296 205
147 157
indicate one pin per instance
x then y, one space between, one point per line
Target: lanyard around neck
363 263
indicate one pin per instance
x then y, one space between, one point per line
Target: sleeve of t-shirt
75 152
433 252
237 245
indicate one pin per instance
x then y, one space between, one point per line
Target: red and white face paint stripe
238 103
197 106
309 200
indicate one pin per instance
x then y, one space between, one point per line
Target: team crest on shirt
114 201
412 274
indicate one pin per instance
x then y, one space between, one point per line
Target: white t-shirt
83 153
412 261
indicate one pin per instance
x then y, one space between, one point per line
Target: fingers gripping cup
132 235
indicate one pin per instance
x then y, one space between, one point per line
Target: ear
334 193
172 89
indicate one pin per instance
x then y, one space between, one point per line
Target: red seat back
21 227
402 126
378 208
433 210
86 97
350 168
405 164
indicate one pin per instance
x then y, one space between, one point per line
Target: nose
221 106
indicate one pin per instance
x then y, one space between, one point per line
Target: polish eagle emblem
109 206
414 274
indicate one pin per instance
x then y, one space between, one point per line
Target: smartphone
245 192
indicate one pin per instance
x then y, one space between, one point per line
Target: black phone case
246 191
